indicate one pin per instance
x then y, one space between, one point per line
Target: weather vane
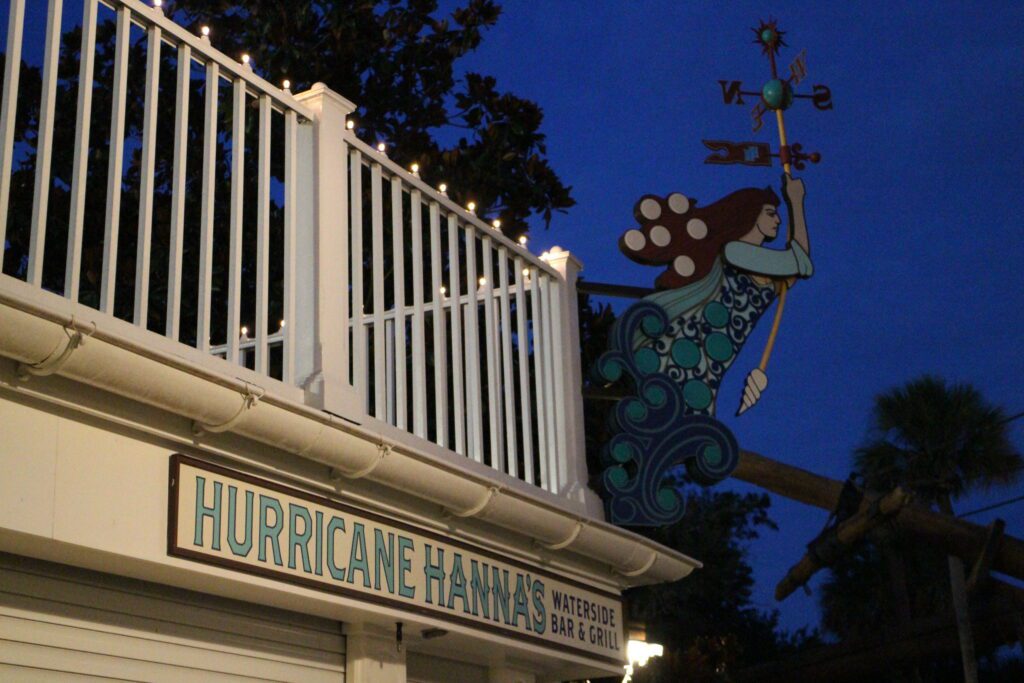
672 349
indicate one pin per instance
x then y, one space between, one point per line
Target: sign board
230 519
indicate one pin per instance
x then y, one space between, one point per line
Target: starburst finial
769 37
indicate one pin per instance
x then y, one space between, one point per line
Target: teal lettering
499 589
458 584
241 549
357 555
540 611
434 572
297 540
385 560
481 587
202 511
405 546
268 532
521 608
336 524
318 544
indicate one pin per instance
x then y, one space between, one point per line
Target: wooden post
322 366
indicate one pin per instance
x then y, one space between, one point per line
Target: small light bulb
282 324
245 331
287 84
245 59
350 124
471 207
522 240
483 281
443 290
442 187
496 223
158 3
381 147
415 168
526 272
205 30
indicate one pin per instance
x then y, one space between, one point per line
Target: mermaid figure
678 343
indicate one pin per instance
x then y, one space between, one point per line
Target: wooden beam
979 573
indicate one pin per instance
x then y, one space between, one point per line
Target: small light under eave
350 124
496 223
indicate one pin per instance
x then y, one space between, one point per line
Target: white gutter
36 329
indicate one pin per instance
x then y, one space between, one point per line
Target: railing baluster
115 164
558 418
455 295
146 177
174 273
419 344
539 372
505 332
401 347
358 330
524 373
475 427
80 172
207 208
44 144
547 349
440 344
389 355
380 369
290 218
12 70
263 236
493 380
237 195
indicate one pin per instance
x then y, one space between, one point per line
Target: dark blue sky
914 213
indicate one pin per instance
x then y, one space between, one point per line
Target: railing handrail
234 68
449 204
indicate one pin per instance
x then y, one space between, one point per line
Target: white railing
368 292
454 327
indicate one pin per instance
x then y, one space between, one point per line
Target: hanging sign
252 525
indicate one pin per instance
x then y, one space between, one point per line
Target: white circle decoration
635 240
678 202
684 266
696 228
650 209
660 236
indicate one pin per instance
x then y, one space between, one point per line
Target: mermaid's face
768 222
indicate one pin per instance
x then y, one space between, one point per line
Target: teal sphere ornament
768 36
777 94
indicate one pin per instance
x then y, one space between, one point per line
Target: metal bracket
637 572
573 535
252 396
478 508
53 364
383 450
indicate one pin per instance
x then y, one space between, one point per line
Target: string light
496 223
526 272
442 188
381 147
245 59
350 124
287 84
205 30
522 240
245 331
415 168
443 290
482 281
282 324
158 3
471 207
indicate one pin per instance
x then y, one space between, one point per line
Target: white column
322 238
372 655
572 462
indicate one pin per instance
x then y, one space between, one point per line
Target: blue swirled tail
655 430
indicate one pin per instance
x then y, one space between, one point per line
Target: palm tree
938 441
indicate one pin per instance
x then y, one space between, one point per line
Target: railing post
322 366
572 454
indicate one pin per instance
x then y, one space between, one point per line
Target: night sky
913 214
